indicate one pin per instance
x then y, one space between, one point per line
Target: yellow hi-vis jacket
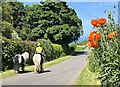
39 49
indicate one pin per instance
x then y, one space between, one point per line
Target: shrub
57 51
11 48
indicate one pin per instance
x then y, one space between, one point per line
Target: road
64 73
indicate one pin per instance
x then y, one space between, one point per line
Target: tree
54 21
6 12
6 23
17 13
7 29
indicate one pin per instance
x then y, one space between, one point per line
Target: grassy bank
79 48
87 78
8 73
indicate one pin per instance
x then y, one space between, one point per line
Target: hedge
57 51
12 47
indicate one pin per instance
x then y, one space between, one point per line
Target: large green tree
55 21
19 22
6 23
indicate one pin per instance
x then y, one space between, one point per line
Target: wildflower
111 35
101 21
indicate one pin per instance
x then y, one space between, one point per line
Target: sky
87 10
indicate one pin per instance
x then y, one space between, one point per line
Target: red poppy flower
94 23
111 35
101 21
94 36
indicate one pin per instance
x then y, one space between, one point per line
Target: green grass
87 78
79 48
8 73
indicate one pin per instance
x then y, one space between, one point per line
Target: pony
38 63
20 59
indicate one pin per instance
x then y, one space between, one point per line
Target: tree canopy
54 21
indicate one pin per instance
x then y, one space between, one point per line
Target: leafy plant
106 58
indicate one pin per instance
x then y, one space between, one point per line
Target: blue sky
88 10
92 10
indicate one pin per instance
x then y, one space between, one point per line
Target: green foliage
88 78
94 65
55 21
6 12
18 14
57 51
79 44
83 43
10 48
7 29
15 35
106 59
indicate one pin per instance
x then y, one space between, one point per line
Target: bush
11 48
57 51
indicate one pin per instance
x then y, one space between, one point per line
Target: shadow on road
45 71
21 72
81 53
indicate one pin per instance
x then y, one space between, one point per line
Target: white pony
20 59
38 62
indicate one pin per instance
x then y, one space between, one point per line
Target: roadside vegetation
78 46
102 67
87 77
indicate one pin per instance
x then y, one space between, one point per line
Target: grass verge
87 78
8 73
79 48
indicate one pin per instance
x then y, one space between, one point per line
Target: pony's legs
41 64
36 68
41 68
16 68
23 67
